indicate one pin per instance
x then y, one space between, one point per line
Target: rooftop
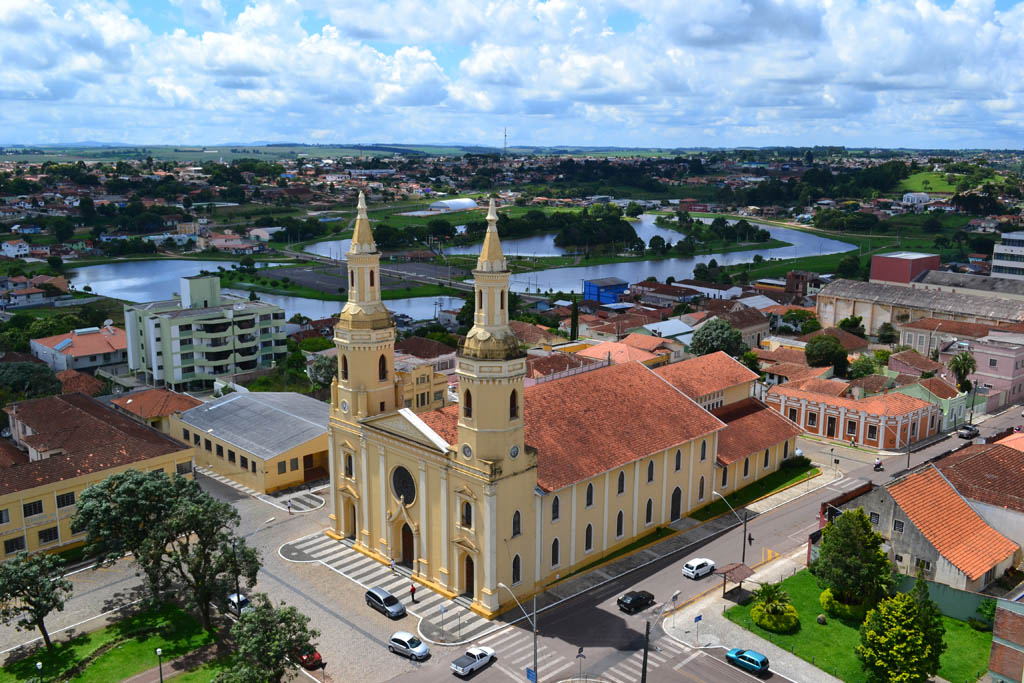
850 342
264 424
883 404
958 533
73 381
977 283
618 352
909 255
988 473
151 403
751 427
917 361
87 341
975 303
957 328
424 348
704 375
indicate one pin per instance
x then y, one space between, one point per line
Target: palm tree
961 365
772 597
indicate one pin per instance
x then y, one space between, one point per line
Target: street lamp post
160 663
647 634
39 669
238 589
743 540
532 622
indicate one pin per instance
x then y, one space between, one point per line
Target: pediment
405 424
466 545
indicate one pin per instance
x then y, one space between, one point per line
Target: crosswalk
846 484
300 502
224 480
452 618
661 651
514 649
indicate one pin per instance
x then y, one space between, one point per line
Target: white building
15 248
916 198
1008 257
461 204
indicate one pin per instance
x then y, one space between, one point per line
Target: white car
475 658
407 644
698 567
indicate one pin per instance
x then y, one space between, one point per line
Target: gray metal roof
607 282
981 283
264 424
970 305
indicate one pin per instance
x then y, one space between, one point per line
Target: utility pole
535 637
647 640
743 554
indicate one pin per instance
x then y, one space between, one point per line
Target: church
515 487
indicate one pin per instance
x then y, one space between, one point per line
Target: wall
953 602
1007 659
1009 523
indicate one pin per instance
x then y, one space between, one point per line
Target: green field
832 647
916 183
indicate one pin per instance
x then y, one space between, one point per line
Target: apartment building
186 342
1008 257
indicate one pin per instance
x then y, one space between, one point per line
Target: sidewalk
717 634
173 667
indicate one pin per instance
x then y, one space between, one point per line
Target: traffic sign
443 610
696 618
531 675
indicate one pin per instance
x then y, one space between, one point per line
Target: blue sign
531 675
696 619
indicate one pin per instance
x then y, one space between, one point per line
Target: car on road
698 567
408 645
634 601
385 603
474 659
749 660
309 658
968 432
239 603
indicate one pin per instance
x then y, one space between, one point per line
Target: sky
658 73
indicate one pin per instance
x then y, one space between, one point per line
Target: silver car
385 603
407 644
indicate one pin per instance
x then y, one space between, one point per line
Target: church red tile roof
703 375
618 352
958 533
590 423
751 427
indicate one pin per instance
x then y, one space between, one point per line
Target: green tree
86 209
824 350
267 636
28 380
31 587
247 263
892 648
929 623
962 365
717 335
854 325
633 210
772 597
849 267
314 344
932 225
851 561
862 367
887 334
657 245
749 358
56 263
63 229
323 370
809 326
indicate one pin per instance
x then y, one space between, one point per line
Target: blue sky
666 73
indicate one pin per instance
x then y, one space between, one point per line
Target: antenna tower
505 151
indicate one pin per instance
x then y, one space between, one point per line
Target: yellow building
154 406
62 445
422 388
515 485
264 440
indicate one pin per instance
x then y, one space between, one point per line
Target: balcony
245 324
246 338
214 328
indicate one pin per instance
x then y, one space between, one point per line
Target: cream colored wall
736 480
737 393
61 518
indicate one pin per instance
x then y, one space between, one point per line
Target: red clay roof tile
751 427
703 375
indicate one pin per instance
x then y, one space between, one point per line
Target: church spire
491 257
362 237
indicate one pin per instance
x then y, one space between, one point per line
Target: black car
634 601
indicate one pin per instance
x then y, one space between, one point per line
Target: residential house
619 353
533 335
927 334
556 365
656 345
999 358
26 297
266 441
912 363
73 381
710 290
851 343
87 348
438 355
15 249
751 323
952 402
673 328
784 372
990 477
61 446
154 407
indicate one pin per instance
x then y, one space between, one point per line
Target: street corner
297 550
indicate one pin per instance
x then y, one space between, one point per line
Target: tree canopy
854 325
31 587
824 350
717 335
266 637
851 561
892 648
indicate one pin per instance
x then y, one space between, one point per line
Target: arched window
703 451
467 515
516 570
725 475
513 405
351 278
766 457
480 300
382 368
516 524
650 471
467 404
746 466
649 517
700 489
785 450
588 539
371 277
554 509
590 495
503 299
619 518
344 367
679 460
554 553
349 466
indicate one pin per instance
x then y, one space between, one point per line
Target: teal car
754 662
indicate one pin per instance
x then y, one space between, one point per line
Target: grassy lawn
915 183
760 488
647 539
832 647
207 672
167 627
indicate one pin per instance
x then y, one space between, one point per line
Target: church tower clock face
403 485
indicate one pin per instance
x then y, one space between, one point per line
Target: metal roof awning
736 572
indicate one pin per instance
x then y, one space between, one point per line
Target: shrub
787 622
796 462
979 624
839 610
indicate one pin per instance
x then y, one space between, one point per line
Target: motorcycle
879 467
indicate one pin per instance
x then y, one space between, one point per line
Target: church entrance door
470 575
350 519
677 504
407 549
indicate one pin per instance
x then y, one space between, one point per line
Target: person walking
391 565
289 507
412 592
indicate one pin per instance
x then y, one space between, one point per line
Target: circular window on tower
403 485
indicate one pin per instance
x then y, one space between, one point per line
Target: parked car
968 432
408 645
475 658
698 567
310 658
385 603
749 660
239 603
634 601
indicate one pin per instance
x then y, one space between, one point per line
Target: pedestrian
391 565
289 507
412 592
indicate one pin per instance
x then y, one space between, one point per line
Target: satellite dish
108 322
239 307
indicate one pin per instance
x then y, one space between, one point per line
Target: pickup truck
475 658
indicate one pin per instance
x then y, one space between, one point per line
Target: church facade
513 487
